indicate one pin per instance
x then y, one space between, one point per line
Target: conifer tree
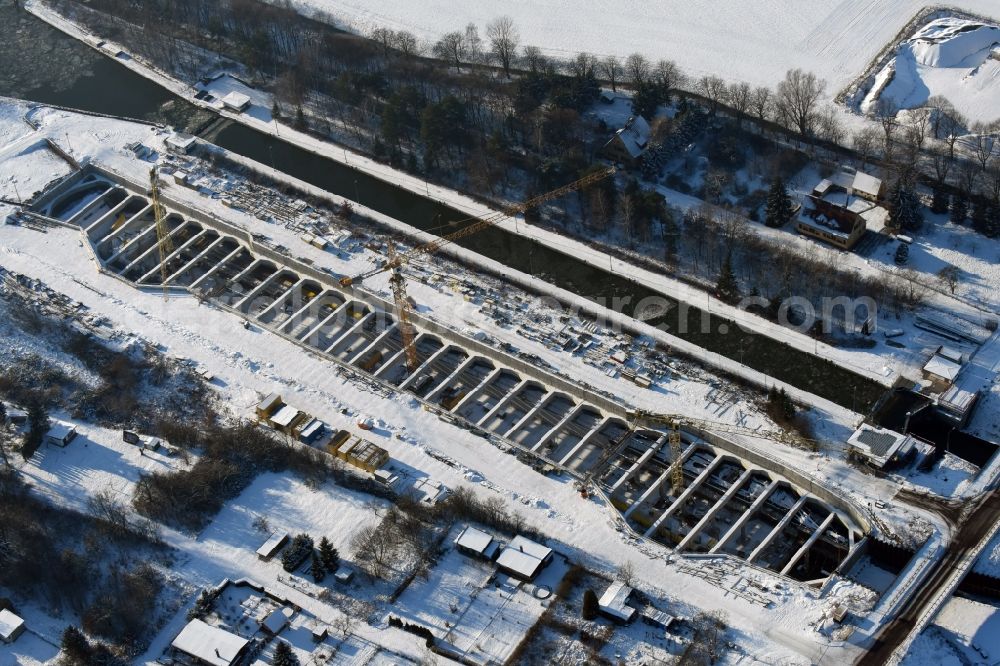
727 289
959 209
779 204
329 555
75 646
317 569
283 655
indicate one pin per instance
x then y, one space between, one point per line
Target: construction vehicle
163 242
394 261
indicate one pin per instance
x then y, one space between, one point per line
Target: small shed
654 617
309 431
180 143
941 371
61 434
236 101
286 419
273 544
16 417
277 620
476 543
268 406
11 626
614 602
344 575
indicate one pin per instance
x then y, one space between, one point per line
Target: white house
210 645
524 558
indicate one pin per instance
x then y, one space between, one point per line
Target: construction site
674 480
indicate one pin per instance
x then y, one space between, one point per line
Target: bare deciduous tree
983 145
504 39
796 100
668 76
886 113
611 68
451 47
713 89
762 102
637 69
864 141
740 96
534 59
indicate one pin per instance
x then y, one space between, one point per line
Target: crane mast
164 243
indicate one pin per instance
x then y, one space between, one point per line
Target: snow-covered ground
248 363
964 632
953 58
757 43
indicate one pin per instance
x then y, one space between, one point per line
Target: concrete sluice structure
726 505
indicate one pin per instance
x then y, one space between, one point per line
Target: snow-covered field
755 42
949 57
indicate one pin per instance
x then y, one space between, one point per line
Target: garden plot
477 611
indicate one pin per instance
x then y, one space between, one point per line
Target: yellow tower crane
163 241
394 261
674 423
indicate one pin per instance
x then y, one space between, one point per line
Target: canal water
44 65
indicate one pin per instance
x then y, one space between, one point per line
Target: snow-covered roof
180 141
867 184
533 548
958 399
880 445
635 135
10 624
277 619
474 540
285 416
816 220
311 429
524 557
209 644
236 100
60 431
270 402
272 543
657 617
942 367
614 601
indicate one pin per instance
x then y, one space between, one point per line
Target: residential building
524 558
629 143
204 644
841 208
